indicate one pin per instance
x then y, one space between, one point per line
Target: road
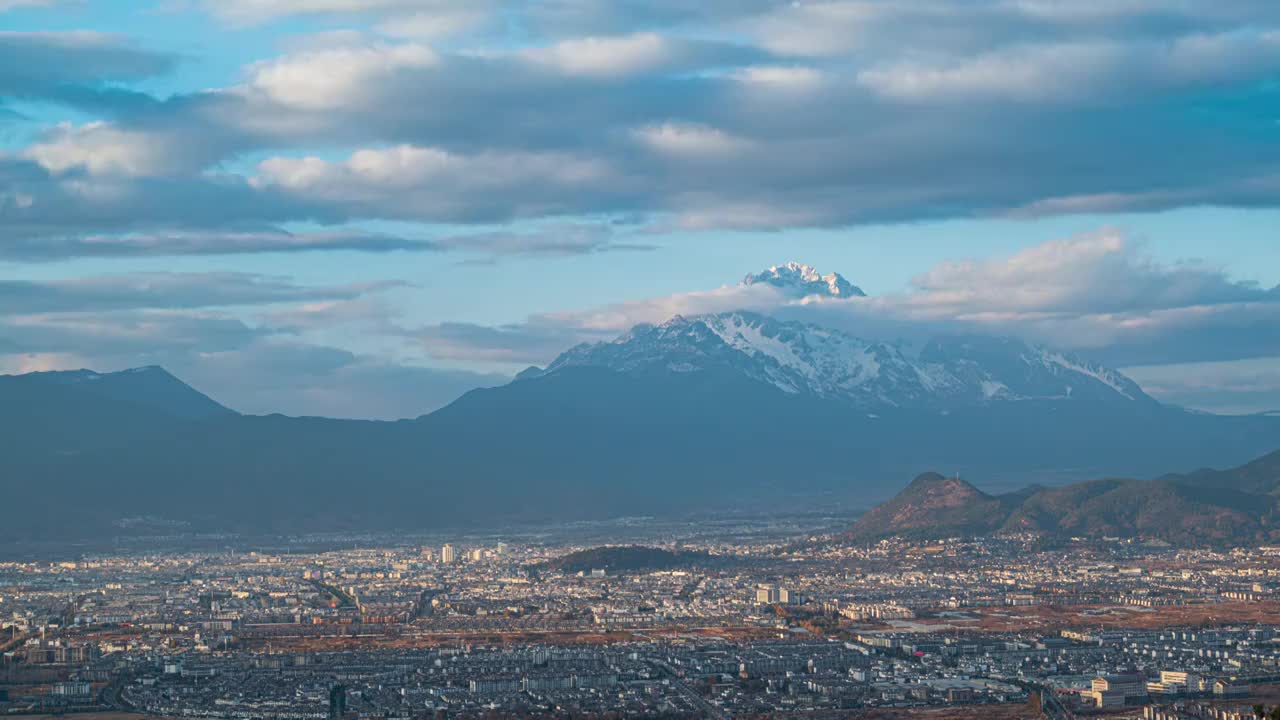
1049 701
711 709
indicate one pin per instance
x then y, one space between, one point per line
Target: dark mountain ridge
1208 507
735 411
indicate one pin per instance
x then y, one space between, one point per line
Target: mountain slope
69 412
932 505
800 358
1262 476
721 412
1206 510
581 442
150 387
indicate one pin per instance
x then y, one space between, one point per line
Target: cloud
1227 387
873 28
145 337
252 372
536 123
339 77
553 240
294 378
1066 72
541 337
523 343
188 243
1097 293
818 114
74 67
435 24
36 203
791 78
100 149
256 11
690 140
162 290
423 183
196 326
1101 272
622 55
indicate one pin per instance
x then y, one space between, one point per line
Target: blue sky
366 208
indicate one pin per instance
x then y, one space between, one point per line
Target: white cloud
559 239
406 166
818 28
101 149
188 243
1098 293
335 78
687 140
1024 74
435 24
1069 71
791 78
604 56
428 183
1099 272
255 11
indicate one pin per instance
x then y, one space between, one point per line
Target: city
983 627
655 359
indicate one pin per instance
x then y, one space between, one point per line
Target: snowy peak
803 359
804 280
1009 368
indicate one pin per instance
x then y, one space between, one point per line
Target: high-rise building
447 554
767 595
337 702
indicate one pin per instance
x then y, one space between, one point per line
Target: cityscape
639 359
767 626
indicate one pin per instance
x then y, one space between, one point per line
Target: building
1118 690
775 595
1176 682
448 554
1224 687
72 689
337 702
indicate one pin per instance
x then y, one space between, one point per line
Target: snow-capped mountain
801 358
804 280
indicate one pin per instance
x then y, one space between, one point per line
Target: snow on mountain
801 358
803 280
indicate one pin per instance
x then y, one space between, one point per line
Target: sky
364 208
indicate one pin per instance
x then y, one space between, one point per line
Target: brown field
89 716
985 712
969 712
1050 619
405 640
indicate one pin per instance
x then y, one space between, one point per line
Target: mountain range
807 360
729 411
1207 507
